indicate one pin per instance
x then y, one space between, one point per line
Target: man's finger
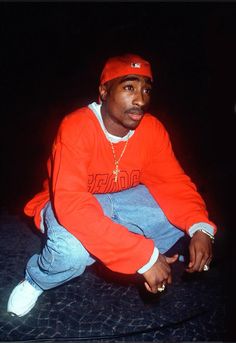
169 280
199 262
172 259
150 289
192 257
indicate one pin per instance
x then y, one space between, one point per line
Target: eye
148 91
128 87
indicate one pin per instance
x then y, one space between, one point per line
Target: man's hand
200 252
159 273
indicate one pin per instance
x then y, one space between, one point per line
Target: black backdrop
51 57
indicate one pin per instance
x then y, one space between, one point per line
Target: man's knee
63 253
62 250
74 253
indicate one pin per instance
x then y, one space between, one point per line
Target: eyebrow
134 78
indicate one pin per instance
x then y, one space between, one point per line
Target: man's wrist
151 262
207 233
204 227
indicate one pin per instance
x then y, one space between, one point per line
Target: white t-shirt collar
96 108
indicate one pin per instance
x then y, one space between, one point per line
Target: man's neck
96 108
113 128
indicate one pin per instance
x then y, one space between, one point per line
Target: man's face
124 102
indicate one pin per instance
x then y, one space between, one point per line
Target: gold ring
206 268
162 288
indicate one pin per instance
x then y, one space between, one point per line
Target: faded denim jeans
64 257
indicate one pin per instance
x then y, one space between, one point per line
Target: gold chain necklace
117 170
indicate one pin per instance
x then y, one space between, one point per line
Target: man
115 193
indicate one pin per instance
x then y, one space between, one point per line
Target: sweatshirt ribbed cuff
151 262
201 226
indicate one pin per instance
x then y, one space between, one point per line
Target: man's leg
62 258
136 209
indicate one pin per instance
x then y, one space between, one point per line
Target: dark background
51 58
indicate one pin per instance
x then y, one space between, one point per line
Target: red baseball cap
125 65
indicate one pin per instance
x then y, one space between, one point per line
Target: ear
103 92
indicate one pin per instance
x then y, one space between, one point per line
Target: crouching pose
115 193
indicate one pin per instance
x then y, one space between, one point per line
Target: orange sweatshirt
82 163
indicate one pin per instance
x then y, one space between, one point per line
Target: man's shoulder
79 118
151 121
78 115
79 122
151 129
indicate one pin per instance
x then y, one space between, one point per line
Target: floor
109 307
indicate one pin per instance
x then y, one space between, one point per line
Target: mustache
135 110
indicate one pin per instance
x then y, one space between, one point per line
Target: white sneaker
22 299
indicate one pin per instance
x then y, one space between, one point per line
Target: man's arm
166 180
200 252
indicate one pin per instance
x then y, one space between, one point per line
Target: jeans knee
62 251
63 254
76 256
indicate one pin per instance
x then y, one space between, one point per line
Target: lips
135 117
135 114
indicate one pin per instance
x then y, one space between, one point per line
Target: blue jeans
64 257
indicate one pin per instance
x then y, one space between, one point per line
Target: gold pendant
116 172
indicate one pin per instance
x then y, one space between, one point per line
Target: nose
138 99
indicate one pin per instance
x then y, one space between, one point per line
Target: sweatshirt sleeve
79 211
174 191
